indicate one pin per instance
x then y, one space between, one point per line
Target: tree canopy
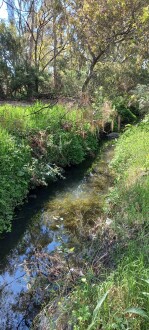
66 46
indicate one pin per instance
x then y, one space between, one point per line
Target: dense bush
15 158
122 108
140 98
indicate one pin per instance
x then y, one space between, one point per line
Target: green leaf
145 294
71 249
137 311
100 302
83 279
96 310
20 173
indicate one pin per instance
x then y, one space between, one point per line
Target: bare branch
62 48
43 108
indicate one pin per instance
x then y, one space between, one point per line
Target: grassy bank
113 291
36 142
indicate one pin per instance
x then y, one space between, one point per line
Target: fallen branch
4 285
43 108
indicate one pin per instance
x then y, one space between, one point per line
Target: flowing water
44 224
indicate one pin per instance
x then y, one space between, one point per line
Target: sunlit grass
93 306
132 154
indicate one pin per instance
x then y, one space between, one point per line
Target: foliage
39 52
103 29
70 81
14 176
123 110
140 97
117 78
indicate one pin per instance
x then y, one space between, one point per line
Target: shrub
15 159
122 108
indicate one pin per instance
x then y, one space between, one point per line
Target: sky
3 11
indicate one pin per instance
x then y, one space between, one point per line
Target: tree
41 31
10 10
10 54
39 26
101 25
64 45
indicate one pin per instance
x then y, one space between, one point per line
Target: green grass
132 153
19 119
104 306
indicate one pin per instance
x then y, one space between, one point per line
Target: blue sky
3 11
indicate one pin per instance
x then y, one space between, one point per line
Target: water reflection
20 272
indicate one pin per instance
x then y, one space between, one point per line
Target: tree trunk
32 9
86 82
112 125
91 70
36 85
55 50
119 123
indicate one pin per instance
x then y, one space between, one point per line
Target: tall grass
39 116
106 305
132 153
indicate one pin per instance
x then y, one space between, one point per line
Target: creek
50 219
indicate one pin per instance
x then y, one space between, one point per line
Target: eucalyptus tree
70 40
10 56
102 25
41 26
10 10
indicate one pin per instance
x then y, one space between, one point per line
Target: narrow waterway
41 227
